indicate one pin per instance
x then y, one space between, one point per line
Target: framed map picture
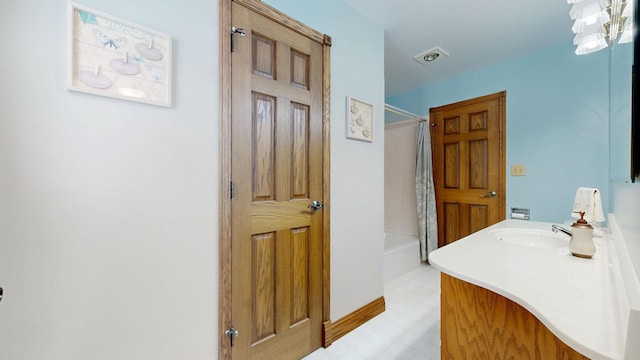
116 58
360 119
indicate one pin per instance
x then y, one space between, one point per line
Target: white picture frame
112 57
360 119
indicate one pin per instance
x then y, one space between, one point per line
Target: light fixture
599 22
628 28
430 56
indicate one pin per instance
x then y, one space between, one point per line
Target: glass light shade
590 33
588 9
574 1
597 20
627 32
591 43
627 12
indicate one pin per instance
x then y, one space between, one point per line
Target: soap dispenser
581 244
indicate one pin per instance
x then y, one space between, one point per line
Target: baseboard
336 330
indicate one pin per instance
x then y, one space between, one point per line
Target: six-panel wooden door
277 172
468 149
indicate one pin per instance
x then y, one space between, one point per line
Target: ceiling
475 33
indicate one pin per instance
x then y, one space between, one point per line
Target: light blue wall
557 123
620 99
625 202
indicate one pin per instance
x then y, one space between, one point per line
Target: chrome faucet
555 228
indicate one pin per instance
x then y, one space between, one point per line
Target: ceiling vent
430 56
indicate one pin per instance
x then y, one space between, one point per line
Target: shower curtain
425 193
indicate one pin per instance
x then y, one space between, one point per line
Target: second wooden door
468 148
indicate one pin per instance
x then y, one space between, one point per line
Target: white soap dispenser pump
581 244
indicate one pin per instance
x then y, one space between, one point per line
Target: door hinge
235 30
231 333
232 190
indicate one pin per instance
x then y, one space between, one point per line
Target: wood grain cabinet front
477 323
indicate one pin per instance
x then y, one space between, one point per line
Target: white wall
108 208
400 214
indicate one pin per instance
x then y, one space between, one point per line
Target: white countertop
581 301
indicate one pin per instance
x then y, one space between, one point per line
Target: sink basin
532 238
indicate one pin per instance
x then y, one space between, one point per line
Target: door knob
316 205
490 194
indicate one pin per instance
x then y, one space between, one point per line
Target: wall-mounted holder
519 213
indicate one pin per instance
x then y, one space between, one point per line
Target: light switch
518 170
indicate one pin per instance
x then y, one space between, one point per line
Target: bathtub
401 254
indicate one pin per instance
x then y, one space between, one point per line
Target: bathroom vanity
513 290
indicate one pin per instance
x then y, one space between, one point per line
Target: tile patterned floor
409 329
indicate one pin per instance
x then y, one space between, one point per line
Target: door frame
224 112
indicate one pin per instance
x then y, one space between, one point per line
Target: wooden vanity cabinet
477 323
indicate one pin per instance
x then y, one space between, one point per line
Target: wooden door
277 171
468 149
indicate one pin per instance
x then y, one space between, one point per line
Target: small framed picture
115 58
360 119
